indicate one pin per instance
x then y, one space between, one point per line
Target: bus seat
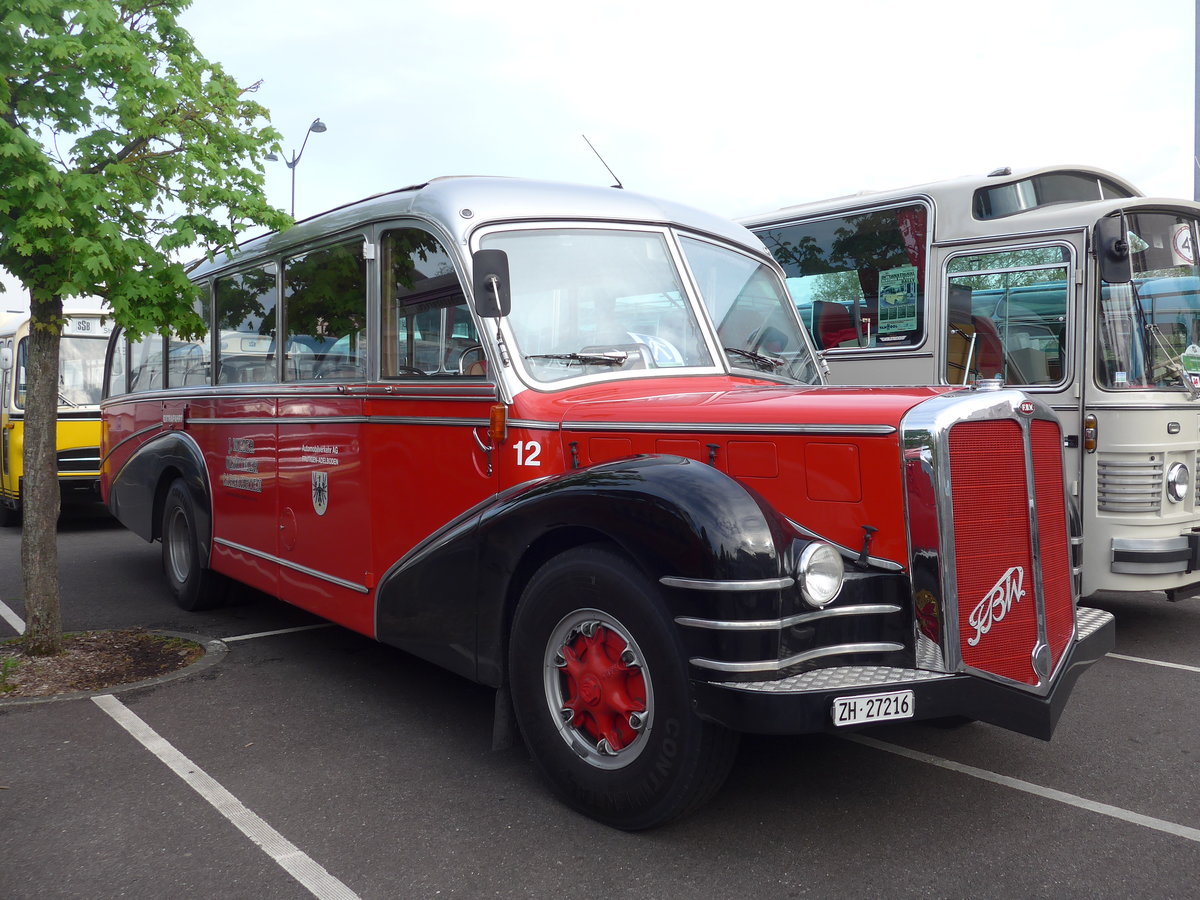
1031 364
832 324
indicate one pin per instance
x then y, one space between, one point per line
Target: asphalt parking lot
309 761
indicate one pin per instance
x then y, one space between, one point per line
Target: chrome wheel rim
178 538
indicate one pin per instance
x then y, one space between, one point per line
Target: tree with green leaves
121 147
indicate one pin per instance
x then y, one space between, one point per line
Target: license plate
873 708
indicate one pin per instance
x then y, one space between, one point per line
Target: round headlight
1178 481
820 572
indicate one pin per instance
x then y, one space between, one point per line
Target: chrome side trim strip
341 582
739 427
877 561
420 420
863 609
776 665
157 426
704 584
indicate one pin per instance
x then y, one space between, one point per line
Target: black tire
9 517
193 584
630 752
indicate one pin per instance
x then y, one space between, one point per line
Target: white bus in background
1067 282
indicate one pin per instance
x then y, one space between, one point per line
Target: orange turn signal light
498 423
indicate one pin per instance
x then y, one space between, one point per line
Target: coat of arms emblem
320 492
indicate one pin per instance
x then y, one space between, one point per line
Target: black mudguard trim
450 599
137 488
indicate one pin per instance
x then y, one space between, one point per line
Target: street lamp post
317 127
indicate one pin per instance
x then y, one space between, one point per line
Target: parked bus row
1065 282
574 444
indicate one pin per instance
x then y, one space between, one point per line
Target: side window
19 374
427 325
246 326
117 366
188 361
863 269
1007 316
146 364
325 311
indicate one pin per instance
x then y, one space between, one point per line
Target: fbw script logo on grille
996 603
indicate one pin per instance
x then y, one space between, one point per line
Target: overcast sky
734 107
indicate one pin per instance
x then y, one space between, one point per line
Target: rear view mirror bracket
493 293
1112 249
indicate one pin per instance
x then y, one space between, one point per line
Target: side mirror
493 294
5 359
1112 249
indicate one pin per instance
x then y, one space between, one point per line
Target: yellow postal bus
80 374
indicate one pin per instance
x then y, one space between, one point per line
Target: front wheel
193 584
600 690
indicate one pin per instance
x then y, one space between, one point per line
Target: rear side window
866 270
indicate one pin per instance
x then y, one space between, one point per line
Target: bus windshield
1150 328
80 366
592 301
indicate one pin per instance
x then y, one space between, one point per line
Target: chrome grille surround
925 444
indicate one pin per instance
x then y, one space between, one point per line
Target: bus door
236 426
430 457
323 520
7 375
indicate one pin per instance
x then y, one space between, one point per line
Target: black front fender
451 598
135 498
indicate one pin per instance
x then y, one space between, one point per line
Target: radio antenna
602 162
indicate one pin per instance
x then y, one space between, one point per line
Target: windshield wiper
608 358
1174 363
765 363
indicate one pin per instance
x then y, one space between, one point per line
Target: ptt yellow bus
80 378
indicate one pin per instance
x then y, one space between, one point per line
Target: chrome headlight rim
1178 482
820 572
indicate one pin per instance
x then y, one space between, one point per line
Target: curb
214 652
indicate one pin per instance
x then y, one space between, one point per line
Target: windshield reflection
1149 329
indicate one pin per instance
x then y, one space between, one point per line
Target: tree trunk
40 498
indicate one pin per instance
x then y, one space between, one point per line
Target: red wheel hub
601 690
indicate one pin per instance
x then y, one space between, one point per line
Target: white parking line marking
1104 809
1155 662
15 621
259 634
297 863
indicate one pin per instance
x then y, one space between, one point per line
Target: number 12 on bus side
872 708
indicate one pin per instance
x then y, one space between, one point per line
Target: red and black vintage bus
574 444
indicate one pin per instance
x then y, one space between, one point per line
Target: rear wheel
193 584
600 690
